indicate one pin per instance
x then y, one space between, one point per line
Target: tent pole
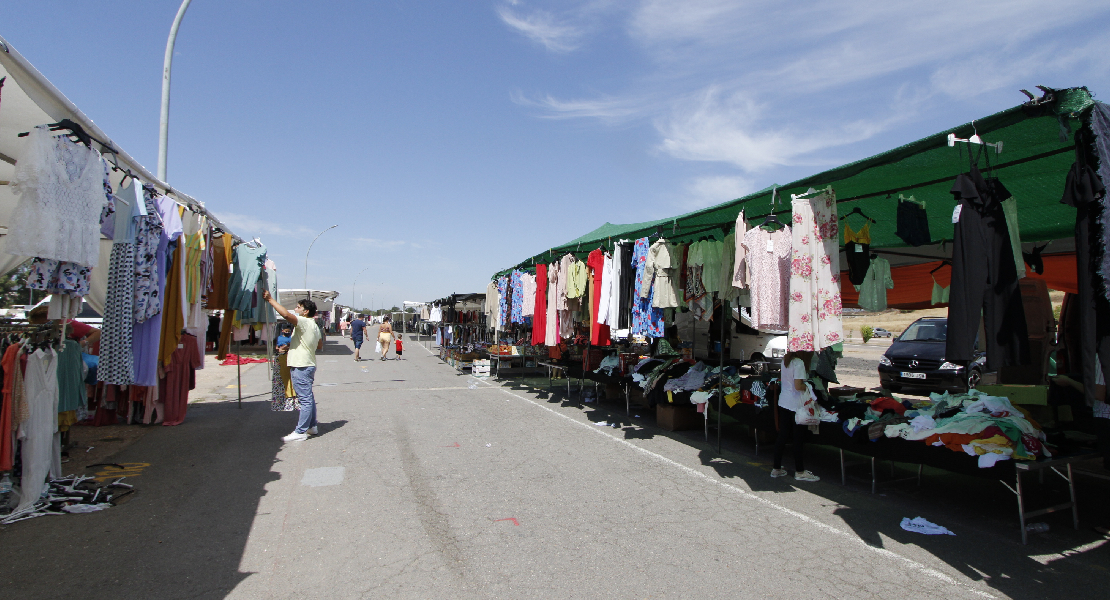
239 369
725 318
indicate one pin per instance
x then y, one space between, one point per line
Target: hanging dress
815 306
116 365
767 256
41 447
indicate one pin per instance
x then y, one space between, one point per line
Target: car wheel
974 377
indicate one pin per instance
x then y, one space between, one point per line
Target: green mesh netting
1033 165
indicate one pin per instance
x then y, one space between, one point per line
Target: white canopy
27 99
324 299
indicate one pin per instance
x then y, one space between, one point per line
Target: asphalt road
425 483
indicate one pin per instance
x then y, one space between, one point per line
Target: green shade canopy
1034 162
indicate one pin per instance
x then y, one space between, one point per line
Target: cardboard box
678 417
1019 394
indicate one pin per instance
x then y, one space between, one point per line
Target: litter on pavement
920 525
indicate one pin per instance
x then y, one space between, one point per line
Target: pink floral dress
815 307
767 260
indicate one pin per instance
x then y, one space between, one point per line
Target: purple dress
146 335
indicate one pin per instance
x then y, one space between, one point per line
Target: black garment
793 434
1084 191
859 260
212 334
627 282
913 224
984 278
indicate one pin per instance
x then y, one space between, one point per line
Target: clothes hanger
902 198
943 263
975 139
771 219
856 210
813 191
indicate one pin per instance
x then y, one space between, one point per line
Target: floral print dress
517 315
815 306
503 300
646 319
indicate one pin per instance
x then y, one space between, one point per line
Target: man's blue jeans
302 378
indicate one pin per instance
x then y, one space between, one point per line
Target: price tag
180 346
859 248
770 245
956 213
231 267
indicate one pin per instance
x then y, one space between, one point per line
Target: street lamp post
310 250
164 122
354 282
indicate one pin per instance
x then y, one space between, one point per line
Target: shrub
866 332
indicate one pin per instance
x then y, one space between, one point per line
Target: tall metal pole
354 282
310 250
164 123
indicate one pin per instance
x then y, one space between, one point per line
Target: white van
752 344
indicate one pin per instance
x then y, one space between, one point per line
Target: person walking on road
301 359
358 327
795 372
385 336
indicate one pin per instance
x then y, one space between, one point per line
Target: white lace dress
61 189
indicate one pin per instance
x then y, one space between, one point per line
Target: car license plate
908 375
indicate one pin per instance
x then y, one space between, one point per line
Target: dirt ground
897 320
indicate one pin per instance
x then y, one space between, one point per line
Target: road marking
323 476
909 562
455 445
513 519
128 470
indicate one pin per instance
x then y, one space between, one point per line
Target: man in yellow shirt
301 359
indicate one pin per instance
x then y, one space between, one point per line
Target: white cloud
544 28
715 189
606 108
385 244
248 226
762 84
717 126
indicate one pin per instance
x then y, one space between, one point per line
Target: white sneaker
295 437
806 476
778 472
313 431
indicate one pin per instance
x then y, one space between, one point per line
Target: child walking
399 348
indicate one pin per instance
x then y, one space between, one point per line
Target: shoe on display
806 476
313 431
295 437
778 473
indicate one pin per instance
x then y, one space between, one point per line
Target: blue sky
451 138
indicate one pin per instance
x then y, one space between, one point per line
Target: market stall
981 219
93 225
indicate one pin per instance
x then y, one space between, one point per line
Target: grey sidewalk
419 486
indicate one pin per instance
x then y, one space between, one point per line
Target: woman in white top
795 372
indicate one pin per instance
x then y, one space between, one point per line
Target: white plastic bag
378 347
808 414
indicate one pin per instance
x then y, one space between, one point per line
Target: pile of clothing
983 426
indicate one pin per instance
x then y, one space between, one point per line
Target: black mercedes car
915 361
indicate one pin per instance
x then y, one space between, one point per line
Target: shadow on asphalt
181 535
326 428
981 511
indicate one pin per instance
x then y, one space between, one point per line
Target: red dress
7 452
539 319
180 378
599 334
